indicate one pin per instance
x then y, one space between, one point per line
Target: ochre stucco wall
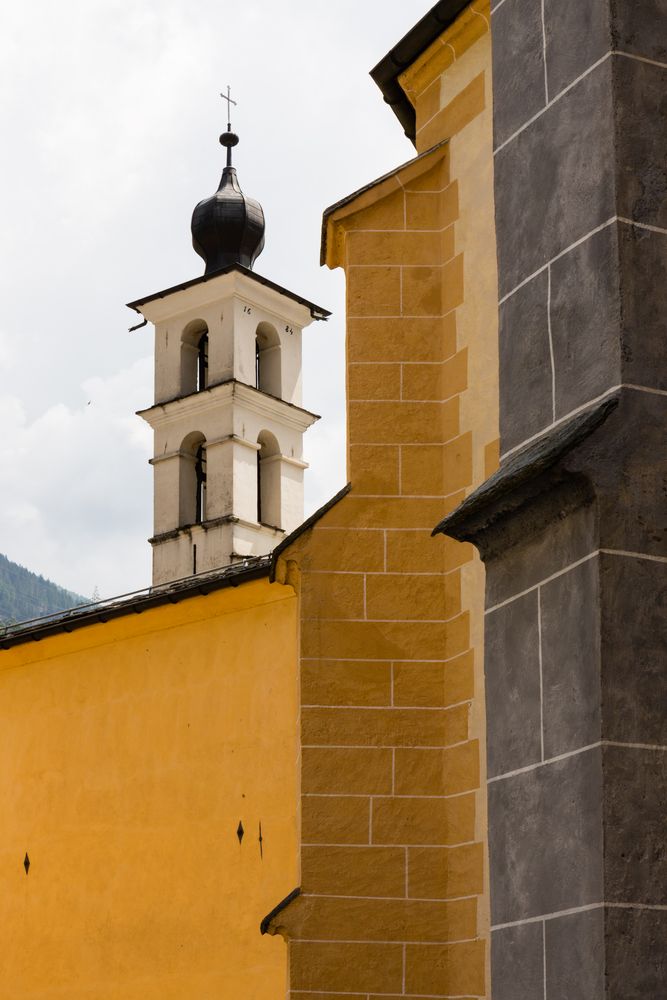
129 752
394 874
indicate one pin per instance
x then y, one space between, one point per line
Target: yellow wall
394 875
129 751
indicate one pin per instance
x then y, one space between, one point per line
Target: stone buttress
573 527
393 815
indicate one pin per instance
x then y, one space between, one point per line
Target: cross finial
227 97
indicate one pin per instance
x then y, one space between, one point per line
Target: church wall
393 871
130 752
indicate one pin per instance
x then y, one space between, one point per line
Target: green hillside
25 595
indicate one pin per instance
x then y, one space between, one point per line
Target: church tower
227 418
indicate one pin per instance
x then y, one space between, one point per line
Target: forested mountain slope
25 595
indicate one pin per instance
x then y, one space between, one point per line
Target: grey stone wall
577 761
580 102
573 527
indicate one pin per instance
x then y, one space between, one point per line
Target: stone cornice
234 281
198 403
201 527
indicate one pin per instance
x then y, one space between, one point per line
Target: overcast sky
110 123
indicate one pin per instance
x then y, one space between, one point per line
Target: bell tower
227 418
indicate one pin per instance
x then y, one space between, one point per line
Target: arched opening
192 485
202 362
267 359
268 480
194 357
200 484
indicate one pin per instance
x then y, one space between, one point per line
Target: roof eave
310 522
417 162
410 47
317 312
171 593
506 489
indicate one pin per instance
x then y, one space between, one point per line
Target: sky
110 116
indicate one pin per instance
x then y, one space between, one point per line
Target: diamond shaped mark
26 862
240 831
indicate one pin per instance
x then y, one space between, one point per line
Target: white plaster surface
229 414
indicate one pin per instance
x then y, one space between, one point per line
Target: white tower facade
227 418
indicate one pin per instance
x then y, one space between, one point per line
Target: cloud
76 498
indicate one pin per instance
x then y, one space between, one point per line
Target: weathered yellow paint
430 68
392 717
129 753
382 207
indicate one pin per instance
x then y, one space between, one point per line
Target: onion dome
228 227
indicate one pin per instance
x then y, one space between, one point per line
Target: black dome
228 227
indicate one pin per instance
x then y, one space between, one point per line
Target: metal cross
227 97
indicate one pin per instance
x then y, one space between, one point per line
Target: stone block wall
581 205
393 806
392 863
